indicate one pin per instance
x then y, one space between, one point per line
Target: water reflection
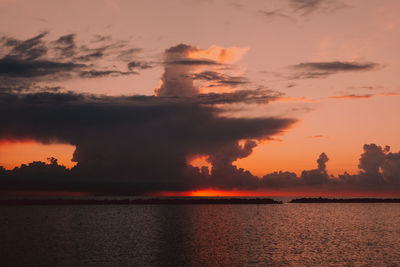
201 235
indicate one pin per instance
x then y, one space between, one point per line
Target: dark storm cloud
138 141
139 144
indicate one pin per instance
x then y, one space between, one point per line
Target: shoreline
151 201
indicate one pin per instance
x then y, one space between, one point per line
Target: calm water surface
201 235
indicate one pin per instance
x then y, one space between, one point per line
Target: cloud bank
128 145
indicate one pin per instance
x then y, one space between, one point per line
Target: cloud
379 172
390 94
128 55
313 70
16 68
133 144
294 10
306 7
120 140
258 96
139 65
315 136
25 62
276 14
30 89
183 64
140 144
65 45
30 49
362 96
352 96
136 144
104 73
176 80
391 168
218 79
337 66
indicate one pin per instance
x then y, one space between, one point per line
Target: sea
335 234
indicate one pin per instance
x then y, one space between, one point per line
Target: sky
143 97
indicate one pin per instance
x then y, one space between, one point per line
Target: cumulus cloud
183 64
379 172
133 144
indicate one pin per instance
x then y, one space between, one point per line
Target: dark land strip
153 201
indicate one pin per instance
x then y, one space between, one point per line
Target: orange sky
13 154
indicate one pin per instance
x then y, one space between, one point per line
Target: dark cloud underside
140 141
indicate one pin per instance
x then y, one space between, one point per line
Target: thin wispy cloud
319 70
363 96
36 59
307 7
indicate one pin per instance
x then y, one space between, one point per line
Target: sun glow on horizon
292 192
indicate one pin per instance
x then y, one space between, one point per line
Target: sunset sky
127 87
